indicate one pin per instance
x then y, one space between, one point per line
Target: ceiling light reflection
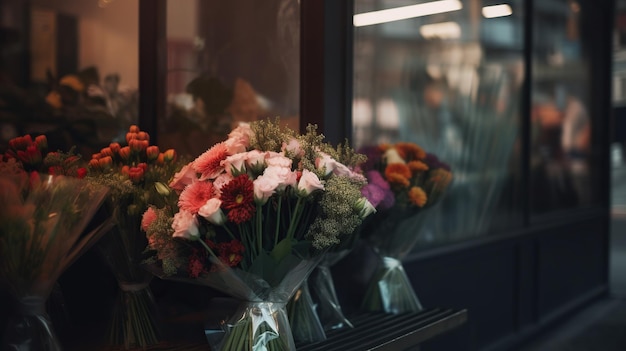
497 11
406 12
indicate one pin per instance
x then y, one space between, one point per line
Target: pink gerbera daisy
209 163
195 195
148 217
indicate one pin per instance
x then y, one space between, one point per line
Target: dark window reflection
68 69
561 120
229 62
450 82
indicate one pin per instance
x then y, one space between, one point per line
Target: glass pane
448 78
70 70
561 96
228 62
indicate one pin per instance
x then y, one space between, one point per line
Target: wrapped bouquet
137 174
404 182
254 216
45 225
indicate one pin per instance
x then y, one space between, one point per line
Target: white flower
309 182
325 162
392 156
366 207
212 211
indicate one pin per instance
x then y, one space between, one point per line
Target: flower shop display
46 223
136 173
403 183
254 216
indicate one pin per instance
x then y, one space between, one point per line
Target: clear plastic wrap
303 316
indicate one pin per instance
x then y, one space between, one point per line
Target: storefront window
561 144
69 69
446 75
229 62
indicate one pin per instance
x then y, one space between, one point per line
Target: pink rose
235 164
309 182
264 188
185 225
184 177
239 138
212 211
278 159
283 175
330 165
256 159
292 148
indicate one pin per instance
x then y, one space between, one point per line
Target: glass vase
30 328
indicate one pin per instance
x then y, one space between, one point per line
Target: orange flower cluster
407 170
133 160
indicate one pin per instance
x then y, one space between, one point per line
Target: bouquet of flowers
254 216
137 175
45 225
404 181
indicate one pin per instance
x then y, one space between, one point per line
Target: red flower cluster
32 156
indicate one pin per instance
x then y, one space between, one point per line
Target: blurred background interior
525 99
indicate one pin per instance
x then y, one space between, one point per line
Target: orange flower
417 196
169 155
152 152
105 162
54 99
397 179
410 151
130 136
125 152
134 129
417 166
397 168
73 82
115 147
143 136
106 152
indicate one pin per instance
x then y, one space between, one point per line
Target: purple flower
378 191
433 162
374 155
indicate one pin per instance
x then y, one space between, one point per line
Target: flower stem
294 218
280 202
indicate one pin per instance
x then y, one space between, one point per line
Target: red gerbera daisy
209 163
238 198
230 253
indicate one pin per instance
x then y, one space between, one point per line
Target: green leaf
281 250
162 188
